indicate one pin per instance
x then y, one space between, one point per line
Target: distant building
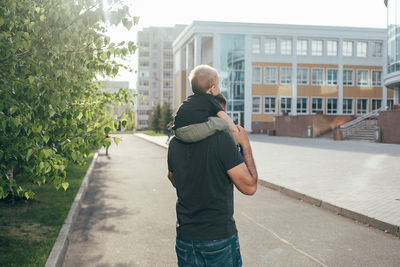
392 79
155 69
113 87
268 70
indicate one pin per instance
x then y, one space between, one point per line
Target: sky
352 13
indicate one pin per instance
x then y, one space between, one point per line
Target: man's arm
171 178
222 114
244 175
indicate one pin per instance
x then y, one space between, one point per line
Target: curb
384 226
57 254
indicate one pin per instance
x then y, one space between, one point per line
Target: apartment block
155 70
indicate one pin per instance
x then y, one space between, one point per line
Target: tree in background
156 119
52 110
166 115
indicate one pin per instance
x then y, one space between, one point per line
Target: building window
143 74
167 85
302 105
362 106
376 78
316 48
317 104
154 65
144 92
256 75
286 75
331 106
286 47
269 105
154 54
256 104
256 45
286 104
302 76
332 77
362 78
167 75
143 83
331 48
270 46
154 74
376 104
302 47
377 49
389 104
270 75
317 77
154 84
361 49
348 77
347 105
347 48
167 65
167 95
144 64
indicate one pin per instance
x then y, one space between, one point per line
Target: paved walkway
128 218
357 179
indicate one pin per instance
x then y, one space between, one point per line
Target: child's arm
222 114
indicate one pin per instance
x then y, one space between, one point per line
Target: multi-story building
392 79
155 69
267 70
113 87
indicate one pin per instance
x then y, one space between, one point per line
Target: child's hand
241 136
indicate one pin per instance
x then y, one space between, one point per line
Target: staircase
362 128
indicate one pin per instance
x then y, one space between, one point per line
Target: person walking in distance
204 173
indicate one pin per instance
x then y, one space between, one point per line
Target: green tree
52 108
166 115
156 118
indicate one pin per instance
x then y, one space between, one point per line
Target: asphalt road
128 219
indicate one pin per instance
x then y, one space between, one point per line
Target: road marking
284 240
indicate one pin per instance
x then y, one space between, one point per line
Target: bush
52 110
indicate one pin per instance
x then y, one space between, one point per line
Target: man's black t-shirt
196 109
204 189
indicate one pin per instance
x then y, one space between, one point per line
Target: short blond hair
202 78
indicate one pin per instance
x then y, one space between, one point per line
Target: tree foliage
166 115
52 110
156 119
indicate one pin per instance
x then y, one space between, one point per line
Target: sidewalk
356 179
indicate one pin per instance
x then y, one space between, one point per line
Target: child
195 118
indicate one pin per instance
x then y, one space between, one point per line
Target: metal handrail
352 123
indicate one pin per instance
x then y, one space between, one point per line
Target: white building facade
267 70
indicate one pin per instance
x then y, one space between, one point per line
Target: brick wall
389 122
296 126
262 127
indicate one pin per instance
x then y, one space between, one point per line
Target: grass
151 132
148 132
28 229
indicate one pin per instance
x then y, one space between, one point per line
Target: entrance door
235 116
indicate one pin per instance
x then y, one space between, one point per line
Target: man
203 174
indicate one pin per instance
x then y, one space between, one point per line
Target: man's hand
171 178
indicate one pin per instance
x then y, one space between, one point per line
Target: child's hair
202 78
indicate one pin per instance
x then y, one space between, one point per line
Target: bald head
202 78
